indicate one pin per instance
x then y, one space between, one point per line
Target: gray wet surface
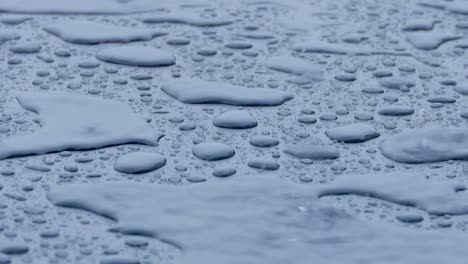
199 131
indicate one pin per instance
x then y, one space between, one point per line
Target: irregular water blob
328 117
312 151
434 197
26 48
442 99
89 64
87 32
238 45
263 141
16 196
224 171
263 164
137 242
373 90
196 179
212 151
235 119
397 83
307 119
14 249
381 74
76 122
136 56
353 133
431 144
363 116
345 77
396 110
178 41
196 91
254 220
139 162
13 20
430 40
409 218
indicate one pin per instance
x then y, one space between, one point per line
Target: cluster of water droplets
157 94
